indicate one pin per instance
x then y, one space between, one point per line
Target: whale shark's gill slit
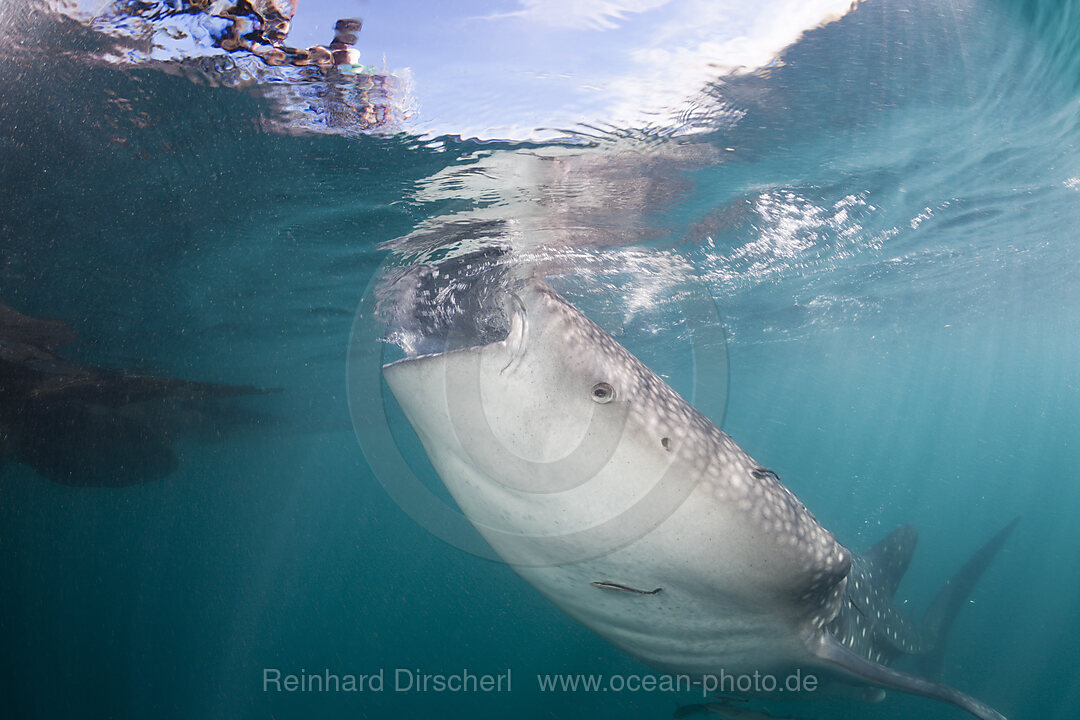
625 588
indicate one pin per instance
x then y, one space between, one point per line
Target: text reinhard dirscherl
404 680
382 680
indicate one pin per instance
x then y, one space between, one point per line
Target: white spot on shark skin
750 579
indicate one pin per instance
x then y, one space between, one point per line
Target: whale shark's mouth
453 304
514 338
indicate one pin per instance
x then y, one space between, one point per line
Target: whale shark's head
555 420
555 386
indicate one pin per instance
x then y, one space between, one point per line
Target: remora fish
644 521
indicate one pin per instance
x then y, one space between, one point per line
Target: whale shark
640 518
89 426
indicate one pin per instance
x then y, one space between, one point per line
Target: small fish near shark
641 519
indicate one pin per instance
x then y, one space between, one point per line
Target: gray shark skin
641 519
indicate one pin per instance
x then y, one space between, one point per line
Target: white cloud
577 14
655 81
705 40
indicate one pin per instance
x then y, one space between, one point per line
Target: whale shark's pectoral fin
839 658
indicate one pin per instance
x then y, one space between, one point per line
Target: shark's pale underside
644 521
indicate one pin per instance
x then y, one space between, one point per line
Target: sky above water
525 69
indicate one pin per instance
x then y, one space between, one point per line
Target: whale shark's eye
603 393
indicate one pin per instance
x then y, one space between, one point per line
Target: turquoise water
886 222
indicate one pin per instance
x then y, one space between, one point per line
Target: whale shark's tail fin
946 605
885 564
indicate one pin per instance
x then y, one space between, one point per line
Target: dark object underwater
727 711
90 426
